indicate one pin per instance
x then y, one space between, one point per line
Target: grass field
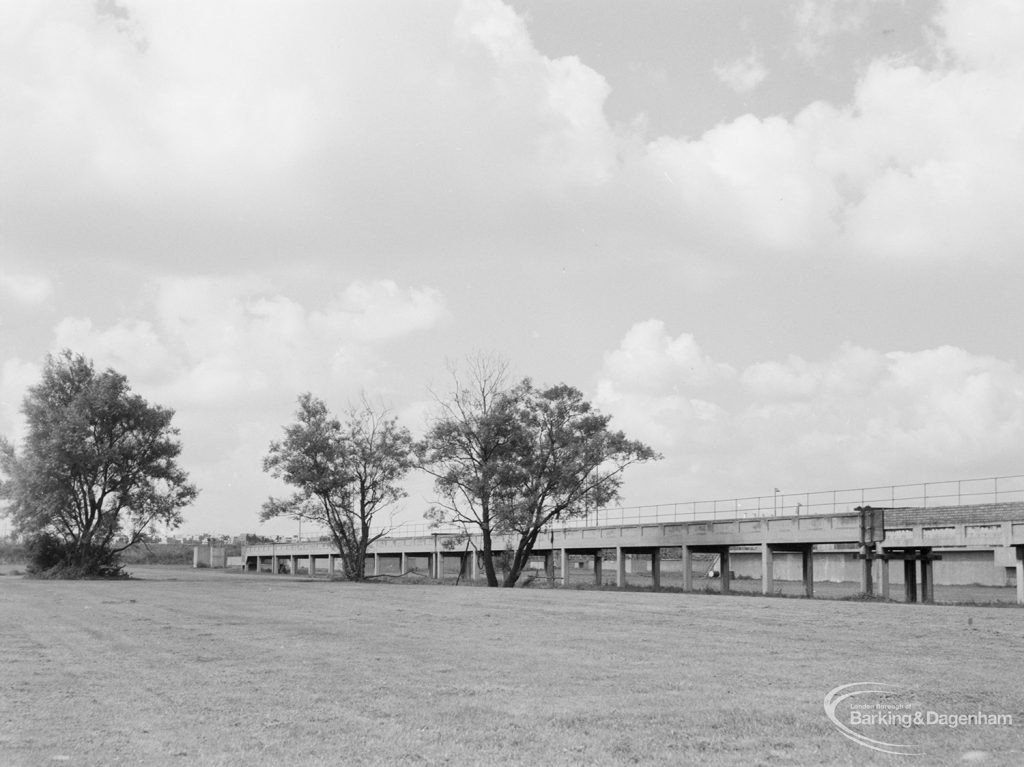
201 667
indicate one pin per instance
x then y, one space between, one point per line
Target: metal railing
957 492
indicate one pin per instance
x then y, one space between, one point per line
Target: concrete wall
982 513
209 556
955 567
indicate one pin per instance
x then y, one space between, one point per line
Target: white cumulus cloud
742 75
856 418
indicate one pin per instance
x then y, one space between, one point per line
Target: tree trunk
492 578
522 557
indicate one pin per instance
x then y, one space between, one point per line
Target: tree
464 448
344 474
511 460
98 464
564 459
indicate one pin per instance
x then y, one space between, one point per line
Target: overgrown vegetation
49 556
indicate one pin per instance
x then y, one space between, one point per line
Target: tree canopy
464 450
564 461
511 460
98 468
344 474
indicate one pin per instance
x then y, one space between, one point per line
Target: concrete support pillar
687 565
330 564
656 569
293 565
474 564
767 570
376 563
867 585
565 567
403 563
549 567
1020 575
620 567
312 565
883 571
910 579
927 583
807 561
438 565
723 569
597 568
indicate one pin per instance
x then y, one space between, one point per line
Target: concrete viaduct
909 536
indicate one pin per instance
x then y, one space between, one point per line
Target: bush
44 552
50 557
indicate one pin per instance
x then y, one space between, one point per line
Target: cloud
221 342
27 289
819 22
857 418
742 75
361 129
925 164
256 125
16 376
648 359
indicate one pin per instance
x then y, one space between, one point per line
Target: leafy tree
344 474
464 450
98 469
511 460
564 460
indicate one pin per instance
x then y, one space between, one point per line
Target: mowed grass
187 667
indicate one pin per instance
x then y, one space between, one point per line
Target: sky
779 242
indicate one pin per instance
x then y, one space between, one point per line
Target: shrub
50 557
